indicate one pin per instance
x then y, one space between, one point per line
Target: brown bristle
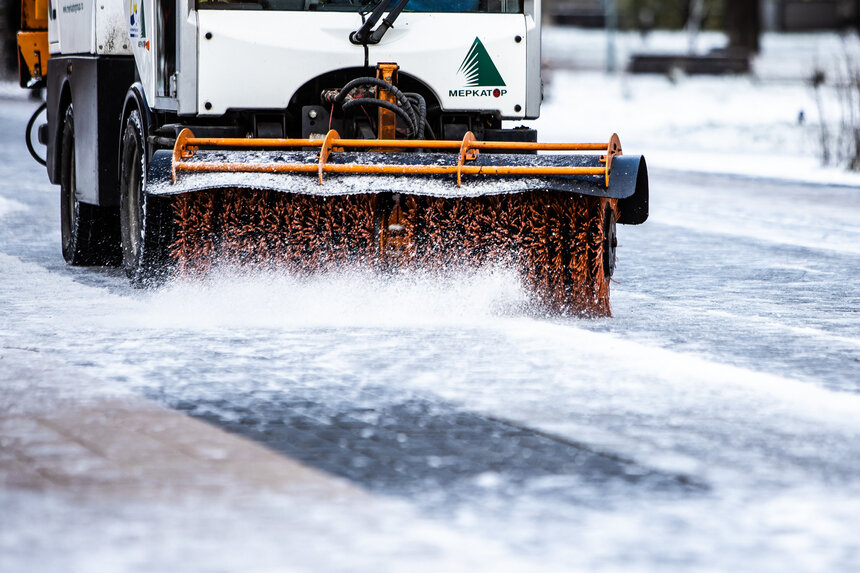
554 239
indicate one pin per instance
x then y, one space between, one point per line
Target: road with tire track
712 424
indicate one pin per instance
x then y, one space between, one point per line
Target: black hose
412 107
411 129
369 81
29 133
421 118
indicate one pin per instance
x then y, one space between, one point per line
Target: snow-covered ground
783 57
712 425
741 125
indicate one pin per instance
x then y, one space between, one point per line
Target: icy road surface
712 425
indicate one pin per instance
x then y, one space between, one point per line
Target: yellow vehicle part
32 58
33 43
34 15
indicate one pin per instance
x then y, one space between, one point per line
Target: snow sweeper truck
308 135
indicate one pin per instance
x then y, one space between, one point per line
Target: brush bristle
554 239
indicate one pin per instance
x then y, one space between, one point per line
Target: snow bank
765 125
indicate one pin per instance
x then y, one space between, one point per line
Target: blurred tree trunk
743 25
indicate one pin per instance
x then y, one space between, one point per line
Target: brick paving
95 479
60 430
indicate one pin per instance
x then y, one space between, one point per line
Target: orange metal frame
34 15
33 42
386 119
468 148
33 47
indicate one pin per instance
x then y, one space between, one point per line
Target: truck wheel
143 225
88 231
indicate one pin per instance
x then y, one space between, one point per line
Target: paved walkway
94 479
60 430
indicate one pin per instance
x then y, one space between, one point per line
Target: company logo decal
73 8
479 71
137 22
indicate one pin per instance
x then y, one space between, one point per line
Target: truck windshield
485 6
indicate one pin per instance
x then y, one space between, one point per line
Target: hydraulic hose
411 129
369 81
411 107
28 134
421 114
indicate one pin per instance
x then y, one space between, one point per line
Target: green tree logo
479 69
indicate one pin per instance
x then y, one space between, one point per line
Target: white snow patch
10 206
690 373
11 90
795 216
729 125
740 125
784 57
349 298
799 168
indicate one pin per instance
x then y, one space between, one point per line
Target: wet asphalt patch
433 451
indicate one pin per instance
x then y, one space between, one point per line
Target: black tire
144 227
89 233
